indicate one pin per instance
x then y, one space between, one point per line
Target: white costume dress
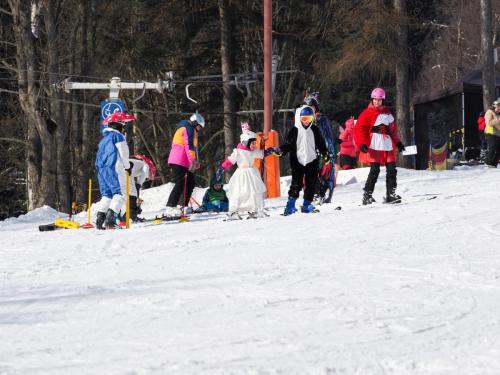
245 190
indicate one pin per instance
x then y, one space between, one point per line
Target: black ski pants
309 173
390 178
492 154
177 193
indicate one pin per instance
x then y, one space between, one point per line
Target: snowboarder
142 169
376 135
326 180
215 198
348 154
183 160
112 162
246 191
303 142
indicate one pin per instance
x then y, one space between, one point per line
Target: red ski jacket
347 146
481 123
377 129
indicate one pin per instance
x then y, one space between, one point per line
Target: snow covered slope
400 289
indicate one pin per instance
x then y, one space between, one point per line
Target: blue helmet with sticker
306 116
306 111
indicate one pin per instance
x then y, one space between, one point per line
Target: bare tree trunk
41 160
225 53
57 108
487 54
80 115
403 79
33 166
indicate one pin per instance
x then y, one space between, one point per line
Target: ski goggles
307 119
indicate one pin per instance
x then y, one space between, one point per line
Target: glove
219 172
273 150
400 146
363 148
129 169
194 166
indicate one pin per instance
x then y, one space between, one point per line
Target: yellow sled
68 224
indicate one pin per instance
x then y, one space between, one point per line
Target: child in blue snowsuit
112 162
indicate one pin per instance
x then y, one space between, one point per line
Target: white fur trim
381 142
384 119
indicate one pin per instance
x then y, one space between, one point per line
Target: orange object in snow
271 173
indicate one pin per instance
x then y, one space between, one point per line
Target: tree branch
5 11
13 140
216 134
8 66
8 43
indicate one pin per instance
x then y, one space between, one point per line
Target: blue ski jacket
111 161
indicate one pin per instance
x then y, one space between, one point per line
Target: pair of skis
401 201
235 216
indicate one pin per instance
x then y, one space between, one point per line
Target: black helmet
117 125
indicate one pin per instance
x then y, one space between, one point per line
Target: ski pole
184 196
191 200
183 216
88 224
127 215
90 200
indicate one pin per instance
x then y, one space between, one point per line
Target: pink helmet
378 93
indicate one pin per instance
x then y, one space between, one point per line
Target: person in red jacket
376 135
348 154
481 125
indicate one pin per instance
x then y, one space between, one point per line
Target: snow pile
42 214
386 289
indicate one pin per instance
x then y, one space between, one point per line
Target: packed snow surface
386 289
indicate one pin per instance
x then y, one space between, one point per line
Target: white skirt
246 191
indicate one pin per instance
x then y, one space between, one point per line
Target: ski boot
201 210
111 221
101 216
392 197
253 215
367 198
172 212
230 216
307 207
290 207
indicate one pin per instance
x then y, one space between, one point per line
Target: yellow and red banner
437 157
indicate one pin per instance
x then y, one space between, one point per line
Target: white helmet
246 136
196 117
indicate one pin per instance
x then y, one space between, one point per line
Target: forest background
48 138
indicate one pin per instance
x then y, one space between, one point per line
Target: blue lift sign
109 107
